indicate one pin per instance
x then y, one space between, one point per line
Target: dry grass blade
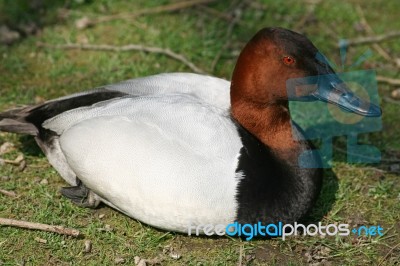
387 255
240 260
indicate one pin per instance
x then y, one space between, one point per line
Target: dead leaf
82 38
22 166
175 256
396 94
40 240
139 261
107 228
16 161
44 181
88 246
119 260
8 36
6 147
83 23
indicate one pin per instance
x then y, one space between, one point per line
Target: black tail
29 119
15 121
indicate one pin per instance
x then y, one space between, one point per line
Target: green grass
354 194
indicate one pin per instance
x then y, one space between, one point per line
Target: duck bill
332 89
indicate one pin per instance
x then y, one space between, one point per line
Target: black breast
271 189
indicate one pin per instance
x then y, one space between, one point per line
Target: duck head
274 56
259 95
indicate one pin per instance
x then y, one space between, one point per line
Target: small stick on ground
390 81
38 226
387 255
216 13
370 31
8 193
224 16
389 100
126 48
372 39
159 9
383 160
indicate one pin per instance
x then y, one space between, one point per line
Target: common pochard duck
180 149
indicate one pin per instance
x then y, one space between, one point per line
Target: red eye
288 60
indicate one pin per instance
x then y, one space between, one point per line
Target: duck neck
270 124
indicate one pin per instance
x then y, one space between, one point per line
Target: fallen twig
390 81
8 193
390 100
382 160
387 255
370 31
216 13
38 226
221 15
125 48
155 10
372 39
